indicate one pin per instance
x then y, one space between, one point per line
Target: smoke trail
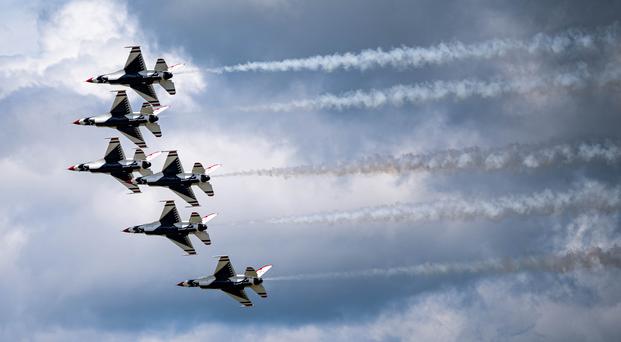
587 259
588 196
514 156
431 91
411 57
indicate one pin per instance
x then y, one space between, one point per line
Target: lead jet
173 177
171 226
136 76
127 122
115 164
225 279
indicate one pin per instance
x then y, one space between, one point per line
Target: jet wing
126 180
134 63
183 242
147 92
169 215
114 152
133 134
224 269
186 193
239 295
120 106
172 165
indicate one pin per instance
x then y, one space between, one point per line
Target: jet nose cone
182 284
89 80
71 168
126 230
76 122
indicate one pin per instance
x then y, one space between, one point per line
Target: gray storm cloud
400 95
412 57
593 258
588 195
515 157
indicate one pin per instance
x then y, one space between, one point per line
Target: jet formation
121 117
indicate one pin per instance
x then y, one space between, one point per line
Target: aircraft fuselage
156 228
239 281
123 166
142 77
185 179
108 120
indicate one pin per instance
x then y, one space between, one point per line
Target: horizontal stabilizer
195 218
260 290
198 169
154 127
139 155
146 108
161 65
250 273
169 86
207 188
203 236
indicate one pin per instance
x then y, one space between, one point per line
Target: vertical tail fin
261 271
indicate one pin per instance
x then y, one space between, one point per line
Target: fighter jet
225 279
115 164
173 177
136 76
171 226
127 122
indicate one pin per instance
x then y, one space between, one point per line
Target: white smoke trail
593 258
516 156
589 196
411 57
432 91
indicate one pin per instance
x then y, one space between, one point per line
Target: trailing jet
171 226
225 279
173 177
136 76
115 164
127 122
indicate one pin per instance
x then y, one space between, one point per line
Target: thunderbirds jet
173 177
115 164
127 122
136 76
225 279
171 226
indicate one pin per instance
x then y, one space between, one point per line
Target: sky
414 170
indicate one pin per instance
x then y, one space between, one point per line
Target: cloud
78 40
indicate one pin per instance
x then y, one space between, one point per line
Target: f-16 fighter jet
136 76
115 164
225 279
173 177
171 226
127 122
